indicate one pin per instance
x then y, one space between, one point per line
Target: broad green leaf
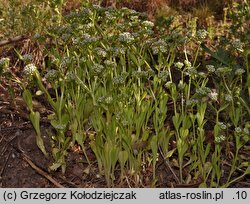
40 144
184 133
35 120
79 138
219 55
27 97
154 145
123 157
65 119
176 120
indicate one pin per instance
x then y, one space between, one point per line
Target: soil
22 164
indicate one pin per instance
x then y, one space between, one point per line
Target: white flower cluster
51 74
179 65
213 95
118 116
193 72
159 46
238 130
203 91
228 97
98 68
210 68
108 99
134 18
187 63
192 102
118 51
169 84
239 71
163 75
219 139
222 125
89 26
148 24
110 64
223 70
88 39
241 131
119 80
201 34
105 99
140 74
97 7
65 62
29 69
237 44
4 63
126 37
100 52
86 11
109 16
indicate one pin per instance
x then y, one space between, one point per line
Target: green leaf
247 52
176 120
18 54
207 151
65 119
184 133
134 59
27 97
114 155
223 107
35 120
123 157
248 169
40 144
79 138
60 125
220 55
169 153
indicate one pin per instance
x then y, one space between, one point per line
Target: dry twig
37 169
13 40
